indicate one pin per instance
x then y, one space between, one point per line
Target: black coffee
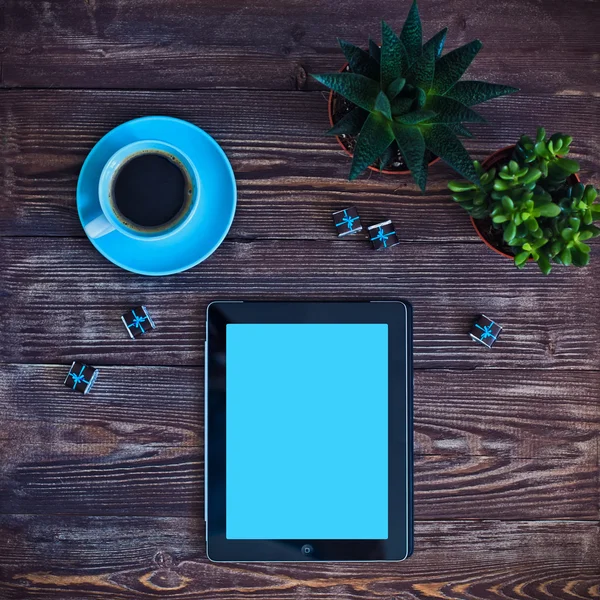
150 190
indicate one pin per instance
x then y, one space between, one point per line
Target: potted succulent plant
401 105
530 204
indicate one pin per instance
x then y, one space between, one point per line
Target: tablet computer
308 431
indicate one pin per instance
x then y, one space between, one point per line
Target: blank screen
307 431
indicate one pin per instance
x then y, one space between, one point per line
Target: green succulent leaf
395 87
393 56
402 105
544 264
470 93
459 185
421 97
443 142
437 42
350 124
555 247
452 111
582 247
487 176
375 136
540 134
580 259
411 34
595 231
541 149
459 129
416 116
510 232
549 210
567 234
590 194
374 50
517 242
450 67
382 104
412 146
506 176
500 185
422 70
568 165
360 62
532 175
359 89
521 258
565 257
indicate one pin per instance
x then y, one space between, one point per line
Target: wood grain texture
59 308
76 558
129 479
526 414
290 176
546 47
133 448
101 495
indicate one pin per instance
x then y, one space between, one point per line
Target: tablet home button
307 549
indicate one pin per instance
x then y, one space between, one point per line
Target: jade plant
532 205
407 97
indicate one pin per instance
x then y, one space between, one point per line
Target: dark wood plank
546 47
62 300
508 434
134 447
509 414
522 414
290 176
79 558
129 479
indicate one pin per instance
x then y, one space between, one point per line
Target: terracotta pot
371 167
501 156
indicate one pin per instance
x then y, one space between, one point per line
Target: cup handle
98 227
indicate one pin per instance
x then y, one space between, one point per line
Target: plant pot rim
337 137
487 164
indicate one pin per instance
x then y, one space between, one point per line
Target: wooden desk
101 495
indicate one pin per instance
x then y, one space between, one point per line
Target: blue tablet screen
307 431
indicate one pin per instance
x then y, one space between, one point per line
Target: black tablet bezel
398 546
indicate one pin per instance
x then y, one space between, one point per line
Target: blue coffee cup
112 219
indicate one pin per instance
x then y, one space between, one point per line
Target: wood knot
462 22
300 77
163 559
164 579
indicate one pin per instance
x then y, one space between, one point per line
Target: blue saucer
206 229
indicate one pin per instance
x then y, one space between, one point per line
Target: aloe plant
408 97
529 200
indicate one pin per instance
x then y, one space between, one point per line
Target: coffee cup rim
117 159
